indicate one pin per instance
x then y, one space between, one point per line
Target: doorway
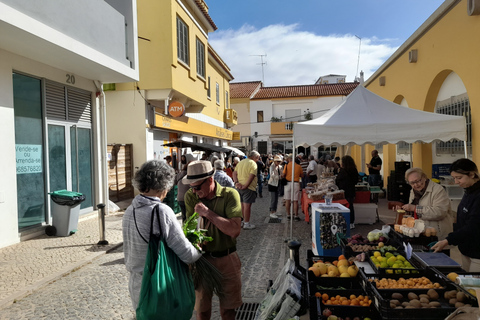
70 159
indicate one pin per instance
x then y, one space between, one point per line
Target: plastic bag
167 287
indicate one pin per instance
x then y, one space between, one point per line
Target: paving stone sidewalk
32 264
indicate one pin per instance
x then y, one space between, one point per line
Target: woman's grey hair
236 159
416 170
219 164
154 175
253 153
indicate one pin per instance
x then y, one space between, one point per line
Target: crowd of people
223 192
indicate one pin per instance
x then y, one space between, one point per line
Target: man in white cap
220 212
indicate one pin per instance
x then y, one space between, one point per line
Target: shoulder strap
155 211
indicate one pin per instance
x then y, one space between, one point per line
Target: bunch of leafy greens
196 237
204 274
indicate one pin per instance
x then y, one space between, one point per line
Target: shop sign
176 109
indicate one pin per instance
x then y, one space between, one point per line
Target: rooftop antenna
358 61
262 64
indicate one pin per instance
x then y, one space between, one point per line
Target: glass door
70 160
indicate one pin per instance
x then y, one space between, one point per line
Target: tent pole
292 186
465 148
411 155
362 154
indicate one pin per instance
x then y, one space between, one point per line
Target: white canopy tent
364 117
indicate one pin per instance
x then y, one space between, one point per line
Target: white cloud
296 57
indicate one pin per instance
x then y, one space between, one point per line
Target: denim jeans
374 180
260 183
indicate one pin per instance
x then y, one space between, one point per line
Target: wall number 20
70 78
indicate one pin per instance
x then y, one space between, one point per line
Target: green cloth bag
167 290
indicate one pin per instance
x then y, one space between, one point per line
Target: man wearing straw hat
220 213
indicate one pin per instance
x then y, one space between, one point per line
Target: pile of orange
353 300
410 283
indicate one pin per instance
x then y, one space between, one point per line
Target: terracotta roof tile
201 5
315 90
240 90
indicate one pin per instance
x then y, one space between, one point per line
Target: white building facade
54 58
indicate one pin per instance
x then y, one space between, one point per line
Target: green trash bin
65 212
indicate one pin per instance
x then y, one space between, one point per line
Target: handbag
284 181
167 290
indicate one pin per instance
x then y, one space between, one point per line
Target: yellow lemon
352 271
452 276
342 269
315 270
345 275
377 254
342 263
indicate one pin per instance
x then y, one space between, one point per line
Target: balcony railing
230 117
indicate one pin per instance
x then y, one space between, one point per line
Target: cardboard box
365 213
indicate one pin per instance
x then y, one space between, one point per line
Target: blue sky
305 39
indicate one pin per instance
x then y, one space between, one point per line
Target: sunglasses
198 187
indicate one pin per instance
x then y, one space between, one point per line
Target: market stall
307 202
336 287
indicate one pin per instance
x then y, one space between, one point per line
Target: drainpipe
102 121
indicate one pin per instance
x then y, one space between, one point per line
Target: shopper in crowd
374 168
245 179
346 180
153 180
320 168
312 169
304 164
275 171
292 185
182 188
429 201
236 160
260 170
221 213
467 229
220 176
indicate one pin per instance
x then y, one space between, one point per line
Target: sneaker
248 226
352 226
288 217
241 224
297 218
273 216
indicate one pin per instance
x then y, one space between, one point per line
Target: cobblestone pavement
73 278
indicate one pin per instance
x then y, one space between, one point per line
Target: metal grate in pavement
246 311
273 220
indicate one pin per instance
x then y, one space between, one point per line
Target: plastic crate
317 306
387 271
330 282
349 252
444 272
421 241
381 297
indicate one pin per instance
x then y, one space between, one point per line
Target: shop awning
197 146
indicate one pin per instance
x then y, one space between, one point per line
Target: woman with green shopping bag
150 228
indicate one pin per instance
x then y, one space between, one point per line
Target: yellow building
435 70
183 92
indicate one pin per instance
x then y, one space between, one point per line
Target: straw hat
277 158
198 170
